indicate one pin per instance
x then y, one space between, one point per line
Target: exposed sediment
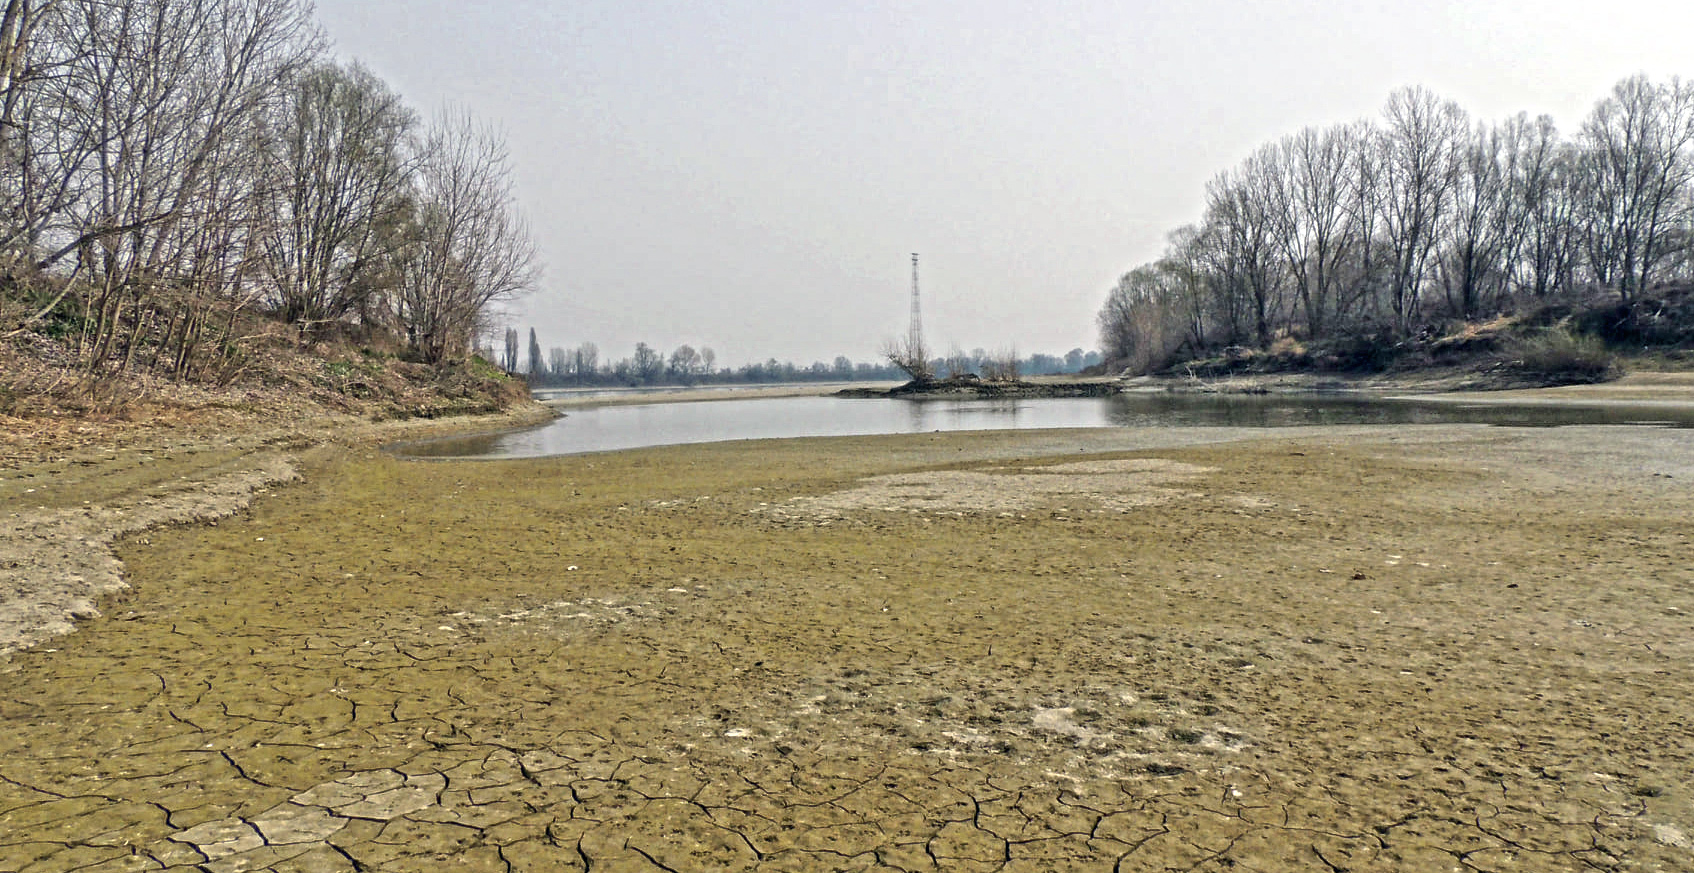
59 562
62 513
1363 649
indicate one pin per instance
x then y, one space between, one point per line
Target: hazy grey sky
753 176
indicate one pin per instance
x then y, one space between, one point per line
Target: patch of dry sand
1115 485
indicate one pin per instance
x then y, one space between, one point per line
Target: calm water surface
610 428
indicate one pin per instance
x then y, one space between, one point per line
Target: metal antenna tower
915 341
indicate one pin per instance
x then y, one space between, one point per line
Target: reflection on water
924 416
609 428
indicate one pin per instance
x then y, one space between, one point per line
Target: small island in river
969 386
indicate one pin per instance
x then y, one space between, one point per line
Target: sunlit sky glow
753 176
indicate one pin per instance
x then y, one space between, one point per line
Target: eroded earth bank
1435 648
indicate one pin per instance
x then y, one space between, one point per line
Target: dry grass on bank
51 404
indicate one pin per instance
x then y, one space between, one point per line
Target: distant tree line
686 365
1378 228
169 166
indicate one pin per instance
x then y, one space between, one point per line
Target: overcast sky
754 176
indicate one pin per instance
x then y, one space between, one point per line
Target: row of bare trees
687 365
1381 226
166 165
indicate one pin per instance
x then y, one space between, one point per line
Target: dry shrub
1002 366
1568 357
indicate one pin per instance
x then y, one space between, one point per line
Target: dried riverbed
1346 649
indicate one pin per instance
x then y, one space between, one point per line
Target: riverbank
1676 387
1640 388
1372 649
1428 382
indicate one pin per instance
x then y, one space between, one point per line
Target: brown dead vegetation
50 404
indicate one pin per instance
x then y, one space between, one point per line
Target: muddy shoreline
61 515
1317 648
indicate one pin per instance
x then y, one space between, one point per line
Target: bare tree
1141 324
1310 184
1420 160
1638 174
18 21
337 193
467 248
1479 239
911 355
1341 229
1184 263
685 364
1001 366
957 362
647 364
1546 189
1227 297
585 362
1246 261
1366 266
155 107
26 199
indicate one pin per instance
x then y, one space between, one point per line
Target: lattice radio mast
915 341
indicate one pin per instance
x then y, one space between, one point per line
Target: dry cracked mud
1442 648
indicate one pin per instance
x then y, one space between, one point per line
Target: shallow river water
611 428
